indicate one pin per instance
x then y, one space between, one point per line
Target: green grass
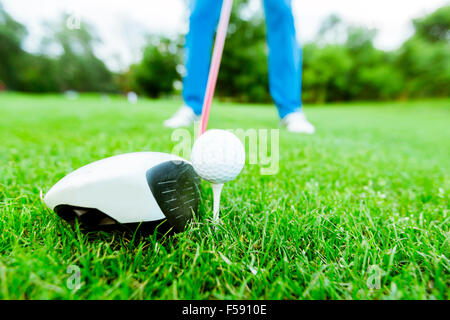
370 188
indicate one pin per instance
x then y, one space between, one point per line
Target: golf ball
218 156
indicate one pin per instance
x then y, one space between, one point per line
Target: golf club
215 63
211 86
128 189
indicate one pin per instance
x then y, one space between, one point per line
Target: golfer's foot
184 117
297 122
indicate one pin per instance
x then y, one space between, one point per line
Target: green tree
75 68
39 74
156 73
12 34
373 76
78 67
434 27
243 73
326 73
343 64
424 59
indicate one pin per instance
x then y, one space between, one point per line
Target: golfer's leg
285 56
202 23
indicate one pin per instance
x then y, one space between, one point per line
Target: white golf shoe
297 122
184 117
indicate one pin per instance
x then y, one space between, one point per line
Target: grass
365 198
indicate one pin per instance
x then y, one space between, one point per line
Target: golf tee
217 190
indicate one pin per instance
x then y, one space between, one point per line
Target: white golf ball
218 156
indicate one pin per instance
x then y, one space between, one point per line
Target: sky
122 24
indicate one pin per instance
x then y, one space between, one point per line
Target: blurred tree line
66 60
341 64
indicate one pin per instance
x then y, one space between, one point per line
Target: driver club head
129 190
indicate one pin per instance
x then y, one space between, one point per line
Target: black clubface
174 185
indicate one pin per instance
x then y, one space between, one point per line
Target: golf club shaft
215 62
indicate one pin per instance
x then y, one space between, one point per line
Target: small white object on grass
218 156
132 97
71 94
105 97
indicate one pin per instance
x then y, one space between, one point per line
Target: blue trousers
285 54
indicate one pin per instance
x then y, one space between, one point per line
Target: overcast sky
121 23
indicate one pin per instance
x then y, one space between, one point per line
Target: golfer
285 63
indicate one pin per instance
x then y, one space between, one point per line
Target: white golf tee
217 190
